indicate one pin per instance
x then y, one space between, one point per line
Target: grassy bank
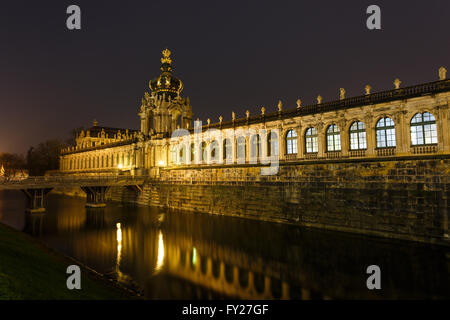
28 270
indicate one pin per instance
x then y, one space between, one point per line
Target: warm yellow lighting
160 259
161 163
120 166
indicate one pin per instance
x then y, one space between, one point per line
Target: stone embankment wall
395 198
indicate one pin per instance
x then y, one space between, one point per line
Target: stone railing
385 152
424 149
312 155
290 157
334 154
357 153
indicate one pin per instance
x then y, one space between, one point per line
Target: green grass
28 270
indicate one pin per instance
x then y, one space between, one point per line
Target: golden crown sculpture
166 56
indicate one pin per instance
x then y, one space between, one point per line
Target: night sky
230 55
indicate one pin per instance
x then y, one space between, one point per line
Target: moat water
167 254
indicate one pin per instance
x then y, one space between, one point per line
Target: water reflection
178 255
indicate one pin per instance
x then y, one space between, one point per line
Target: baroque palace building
402 122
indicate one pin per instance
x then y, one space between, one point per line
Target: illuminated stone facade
374 164
400 122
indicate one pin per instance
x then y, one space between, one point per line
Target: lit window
227 149
333 138
241 148
291 142
214 147
272 145
203 152
385 132
312 144
254 146
423 129
173 155
358 136
192 153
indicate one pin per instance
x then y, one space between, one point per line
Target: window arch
272 144
214 150
192 153
255 147
241 148
358 136
182 153
227 149
203 154
423 129
333 138
173 153
385 133
311 140
291 142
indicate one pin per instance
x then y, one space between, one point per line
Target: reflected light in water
120 275
160 259
194 256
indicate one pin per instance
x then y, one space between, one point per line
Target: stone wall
401 199
395 198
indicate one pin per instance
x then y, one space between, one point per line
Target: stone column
345 138
442 122
300 143
402 132
370 136
282 144
321 143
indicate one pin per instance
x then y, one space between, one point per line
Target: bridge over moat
36 188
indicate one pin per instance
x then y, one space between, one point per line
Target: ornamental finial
442 73
367 88
299 103
166 56
341 93
397 83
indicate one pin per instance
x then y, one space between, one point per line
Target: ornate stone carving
397 83
247 113
367 88
263 110
299 103
280 106
233 116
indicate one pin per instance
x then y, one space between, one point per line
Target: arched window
333 138
173 154
182 154
214 150
227 149
192 153
291 142
358 136
203 152
311 140
255 146
241 148
385 132
272 144
423 129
